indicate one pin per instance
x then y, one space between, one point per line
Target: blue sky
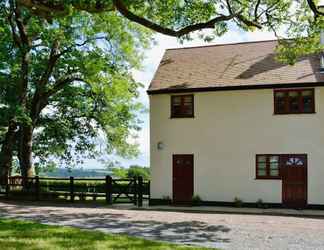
152 59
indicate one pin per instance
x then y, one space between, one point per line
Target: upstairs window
182 106
267 167
297 101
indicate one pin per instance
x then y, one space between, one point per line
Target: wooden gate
125 191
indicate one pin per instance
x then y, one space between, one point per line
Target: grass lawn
26 235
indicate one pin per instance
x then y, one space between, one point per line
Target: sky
145 75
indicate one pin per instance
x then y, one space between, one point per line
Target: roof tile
226 65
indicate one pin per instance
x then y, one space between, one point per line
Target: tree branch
56 8
25 47
61 83
15 37
39 100
69 49
248 22
21 27
158 28
49 9
242 18
256 9
54 56
314 9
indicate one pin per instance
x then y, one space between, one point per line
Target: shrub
196 200
238 202
133 171
166 197
119 172
259 203
136 171
166 200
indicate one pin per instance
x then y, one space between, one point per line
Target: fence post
37 188
109 190
140 192
7 188
149 190
71 189
135 191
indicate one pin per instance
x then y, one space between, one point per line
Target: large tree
87 123
37 67
300 20
174 17
65 82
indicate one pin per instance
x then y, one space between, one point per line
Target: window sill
306 113
267 178
179 117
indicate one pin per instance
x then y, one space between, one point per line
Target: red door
182 178
294 181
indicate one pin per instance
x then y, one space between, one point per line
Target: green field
27 235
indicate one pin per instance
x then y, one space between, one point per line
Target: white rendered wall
229 129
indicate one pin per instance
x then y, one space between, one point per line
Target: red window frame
182 114
287 101
267 175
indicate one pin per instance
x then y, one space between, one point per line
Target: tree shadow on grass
28 235
185 232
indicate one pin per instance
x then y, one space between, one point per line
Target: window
267 167
182 106
297 101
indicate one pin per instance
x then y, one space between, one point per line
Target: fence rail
71 189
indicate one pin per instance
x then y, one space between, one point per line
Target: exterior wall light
160 145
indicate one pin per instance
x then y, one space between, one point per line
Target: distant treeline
116 172
76 172
131 172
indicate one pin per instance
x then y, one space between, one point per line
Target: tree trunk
7 152
26 137
25 151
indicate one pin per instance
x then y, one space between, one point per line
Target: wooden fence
72 189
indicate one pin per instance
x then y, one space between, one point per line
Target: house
229 121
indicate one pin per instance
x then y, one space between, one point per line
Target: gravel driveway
225 231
